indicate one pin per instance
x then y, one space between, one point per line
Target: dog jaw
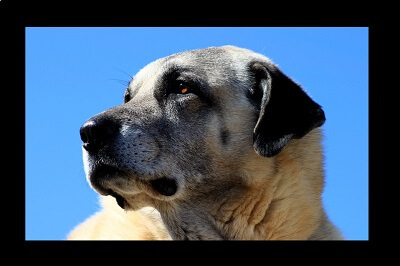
268 204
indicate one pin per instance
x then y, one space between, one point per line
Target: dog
209 144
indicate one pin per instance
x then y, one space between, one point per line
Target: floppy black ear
286 111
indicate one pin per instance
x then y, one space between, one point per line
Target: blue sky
75 73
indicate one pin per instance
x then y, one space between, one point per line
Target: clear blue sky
75 73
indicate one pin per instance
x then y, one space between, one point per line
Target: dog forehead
224 58
216 64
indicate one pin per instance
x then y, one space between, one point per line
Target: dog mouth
164 186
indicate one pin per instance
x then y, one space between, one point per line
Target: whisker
121 81
130 76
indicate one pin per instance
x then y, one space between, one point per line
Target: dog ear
285 110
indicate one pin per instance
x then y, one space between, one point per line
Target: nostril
83 135
97 132
84 131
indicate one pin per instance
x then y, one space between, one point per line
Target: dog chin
109 180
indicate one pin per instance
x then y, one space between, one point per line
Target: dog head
190 122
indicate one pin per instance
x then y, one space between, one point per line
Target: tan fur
244 196
285 204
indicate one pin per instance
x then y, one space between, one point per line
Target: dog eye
180 88
183 89
127 96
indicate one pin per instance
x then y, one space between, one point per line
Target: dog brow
173 71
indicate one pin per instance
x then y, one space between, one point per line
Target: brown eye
183 88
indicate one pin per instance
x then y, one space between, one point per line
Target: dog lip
106 171
103 172
165 186
161 185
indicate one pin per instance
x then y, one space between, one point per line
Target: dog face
191 125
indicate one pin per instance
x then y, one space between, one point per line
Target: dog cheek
198 163
224 136
190 105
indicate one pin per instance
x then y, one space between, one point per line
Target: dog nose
97 132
